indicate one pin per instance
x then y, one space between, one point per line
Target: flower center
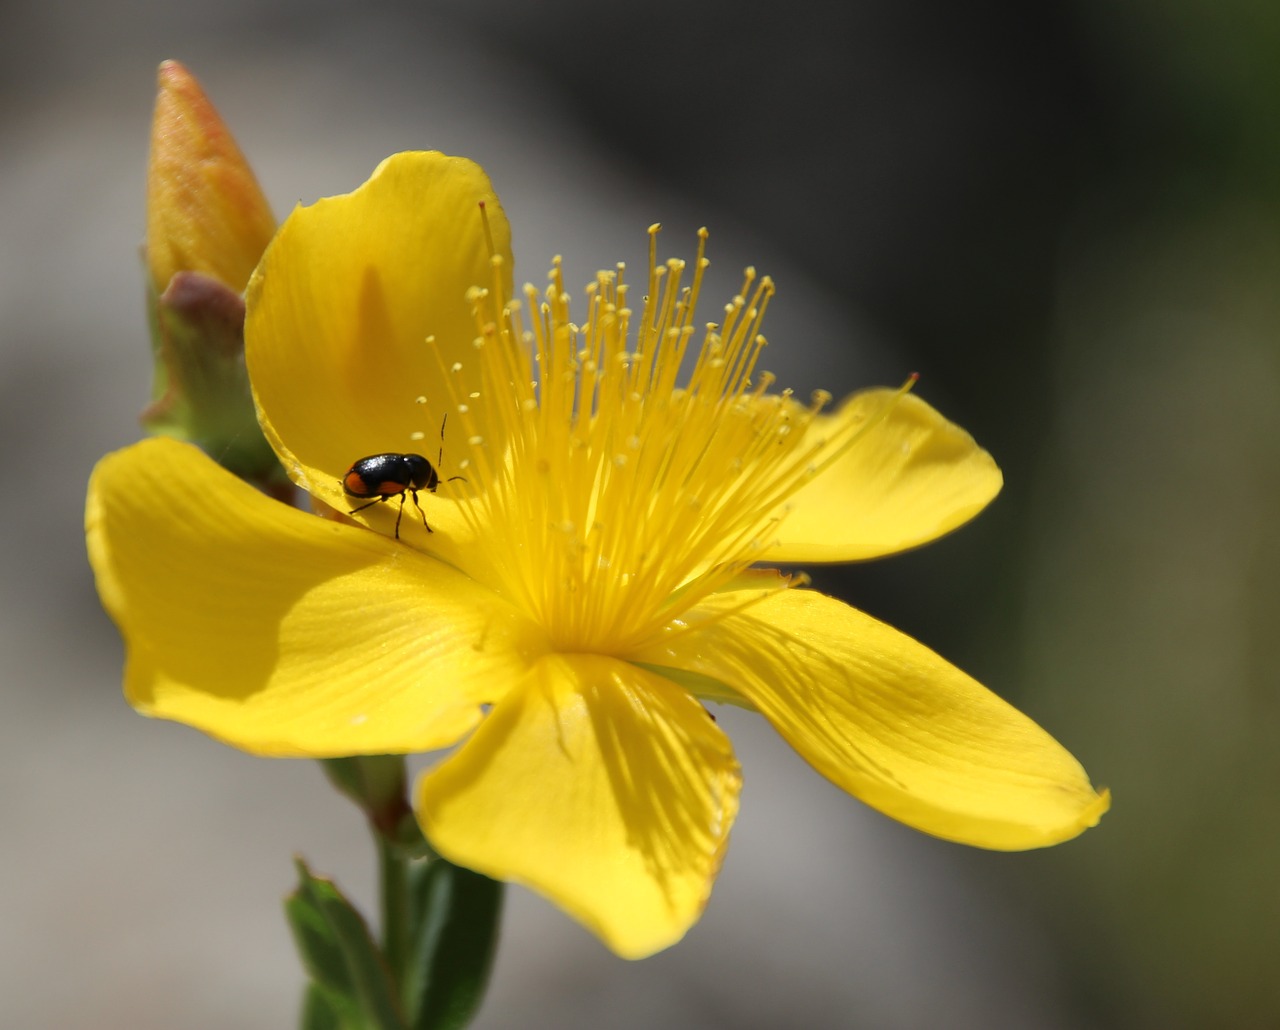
609 498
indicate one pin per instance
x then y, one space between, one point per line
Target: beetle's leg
422 514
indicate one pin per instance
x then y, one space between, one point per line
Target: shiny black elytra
383 476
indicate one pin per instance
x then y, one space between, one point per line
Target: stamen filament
610 499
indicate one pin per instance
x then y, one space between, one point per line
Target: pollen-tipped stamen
614 499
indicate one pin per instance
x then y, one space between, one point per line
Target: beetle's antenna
440 456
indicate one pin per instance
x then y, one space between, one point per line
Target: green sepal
350 979
453 940
376 783
200 389
704 688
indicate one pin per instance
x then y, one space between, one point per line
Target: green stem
439 921
393 877
377 783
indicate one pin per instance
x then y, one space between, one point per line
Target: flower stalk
439 923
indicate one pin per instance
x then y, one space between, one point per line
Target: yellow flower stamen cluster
620 499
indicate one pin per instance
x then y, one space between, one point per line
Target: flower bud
205 210
207 225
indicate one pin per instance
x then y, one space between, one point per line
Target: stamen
676 628
611 499
488 232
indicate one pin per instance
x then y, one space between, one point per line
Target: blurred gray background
1065 216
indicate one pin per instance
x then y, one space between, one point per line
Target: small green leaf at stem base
454 937
351 979
322 1010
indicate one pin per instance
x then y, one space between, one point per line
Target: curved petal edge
886 719
602 787
909 478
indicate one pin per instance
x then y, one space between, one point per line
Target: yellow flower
205 210
587 581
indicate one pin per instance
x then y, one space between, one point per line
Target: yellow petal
909 479
599 785
205 210
889 721
340 309
282 633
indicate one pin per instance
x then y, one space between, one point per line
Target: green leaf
454 937
323 1011
348 971
317 944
